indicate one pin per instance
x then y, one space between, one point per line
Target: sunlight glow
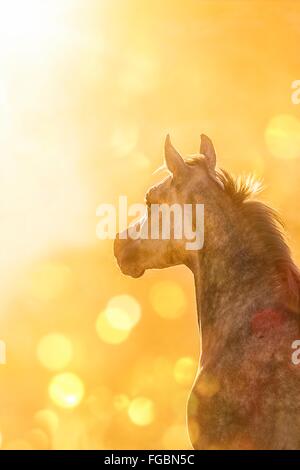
140 74
123 312
28 23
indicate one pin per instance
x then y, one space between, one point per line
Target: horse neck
233 281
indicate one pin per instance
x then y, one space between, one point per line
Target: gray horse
247 392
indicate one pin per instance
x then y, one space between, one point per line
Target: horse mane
267 222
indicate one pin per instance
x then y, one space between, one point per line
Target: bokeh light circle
54 351
107 332
123 312
140 75
141 411
66 390
168 299
124 139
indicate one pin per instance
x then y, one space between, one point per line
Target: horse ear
207 149
174 161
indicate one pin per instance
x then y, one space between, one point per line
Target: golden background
88 91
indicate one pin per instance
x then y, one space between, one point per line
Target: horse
247 391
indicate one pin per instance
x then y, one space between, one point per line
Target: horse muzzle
125 251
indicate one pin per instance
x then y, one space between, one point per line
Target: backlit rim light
123 312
